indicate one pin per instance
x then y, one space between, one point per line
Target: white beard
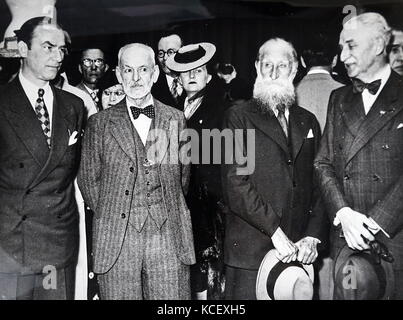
272 93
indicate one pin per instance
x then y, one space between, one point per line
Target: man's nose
136 76
59 55
113 97
343 54
274 73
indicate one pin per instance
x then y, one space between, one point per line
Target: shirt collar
89 89
382 74
31 88
316 71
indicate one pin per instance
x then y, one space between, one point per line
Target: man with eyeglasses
92 67
40 138
168 88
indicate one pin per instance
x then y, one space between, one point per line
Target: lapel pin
200 121
382 112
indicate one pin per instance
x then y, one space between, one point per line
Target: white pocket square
400 126
310 134
73 138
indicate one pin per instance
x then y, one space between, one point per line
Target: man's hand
286 250
352 223
307 251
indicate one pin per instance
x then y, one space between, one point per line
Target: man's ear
106 67
294 70
257 67
80 68
118 75
303 62
209 77
380 45
22 49
156 73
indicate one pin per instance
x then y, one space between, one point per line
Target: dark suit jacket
38 212
279 192
109 167
359 163
161 92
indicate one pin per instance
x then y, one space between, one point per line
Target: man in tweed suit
359 163
142 235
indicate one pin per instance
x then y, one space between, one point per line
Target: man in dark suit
203 109
92 67
131 178
271 196
396 51
360 156
168 89
40 130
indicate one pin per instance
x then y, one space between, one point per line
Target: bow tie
359 86
147 111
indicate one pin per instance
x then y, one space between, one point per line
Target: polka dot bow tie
147 111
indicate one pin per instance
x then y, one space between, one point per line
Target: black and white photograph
213 151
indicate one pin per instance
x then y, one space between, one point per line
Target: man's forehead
398 38
277 53
93 53
49 33
135 57
172 41
354 32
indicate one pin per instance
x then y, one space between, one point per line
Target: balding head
167 46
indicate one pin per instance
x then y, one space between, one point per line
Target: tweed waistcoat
147 193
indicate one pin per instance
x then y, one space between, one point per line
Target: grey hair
280 42
142 46
372 20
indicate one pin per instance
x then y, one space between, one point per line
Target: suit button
294 184
375 177
148 183
346 177
127 192
289 162
24 217
340 146
123 216
148 194
131 169
235 244
28 191
91 275
21 165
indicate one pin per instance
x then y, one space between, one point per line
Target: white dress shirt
143 123
31 90
369 99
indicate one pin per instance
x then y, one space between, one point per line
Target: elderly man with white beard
277 206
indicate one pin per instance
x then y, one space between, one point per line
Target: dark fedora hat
283 281
360 275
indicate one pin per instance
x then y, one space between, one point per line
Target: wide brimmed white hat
283 281
191 56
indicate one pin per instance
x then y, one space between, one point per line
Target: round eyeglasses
97 62
161 53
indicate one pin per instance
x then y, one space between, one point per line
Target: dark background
237 28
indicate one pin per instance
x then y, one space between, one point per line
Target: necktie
94 96
282 119
43 115
359 86
147 111
174 88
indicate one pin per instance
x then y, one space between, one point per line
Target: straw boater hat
283 281
359 276
191 56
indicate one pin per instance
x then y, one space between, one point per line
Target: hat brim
346 252
184 67
268 263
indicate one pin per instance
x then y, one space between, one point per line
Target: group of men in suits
149 210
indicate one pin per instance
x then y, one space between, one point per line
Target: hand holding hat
286 250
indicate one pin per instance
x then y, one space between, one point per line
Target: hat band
190 56
275 272
380 272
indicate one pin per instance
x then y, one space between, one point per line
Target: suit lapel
353 111
163 134
63 125
26 125
122 129
269 124
298 131
381 112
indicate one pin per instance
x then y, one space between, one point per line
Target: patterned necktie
282 119
174 88
147 111
94 96
43 115
359 86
